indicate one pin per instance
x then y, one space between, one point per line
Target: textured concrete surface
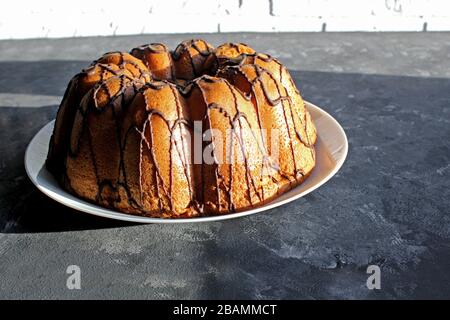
389 204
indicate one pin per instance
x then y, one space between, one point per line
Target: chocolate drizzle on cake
124 132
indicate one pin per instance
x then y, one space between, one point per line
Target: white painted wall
50 18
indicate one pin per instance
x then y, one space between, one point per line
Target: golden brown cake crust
125 130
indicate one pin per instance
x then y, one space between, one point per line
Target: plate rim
97 210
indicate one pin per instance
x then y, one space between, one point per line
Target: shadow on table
381 116
37 213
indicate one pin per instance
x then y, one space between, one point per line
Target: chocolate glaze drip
171 126
115 100
158 176
184 157
152 51
207 118
66 113
185 45
237 119
184 49
272 102
152 47
120 77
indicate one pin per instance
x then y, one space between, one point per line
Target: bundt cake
194 131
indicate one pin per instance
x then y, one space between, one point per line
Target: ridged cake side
125 131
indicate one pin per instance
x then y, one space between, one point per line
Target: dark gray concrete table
389 205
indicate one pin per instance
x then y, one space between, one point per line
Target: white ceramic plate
331 151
